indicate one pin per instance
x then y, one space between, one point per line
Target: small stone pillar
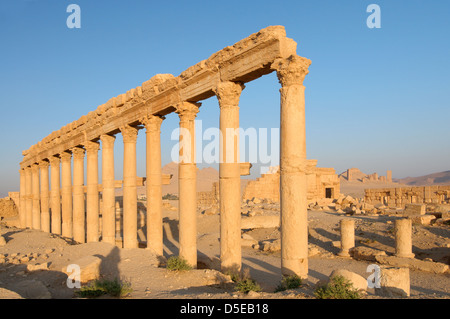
389 176
55 194
228 95
394 282
347 237
36 223
79 219
66 194
403 241
129 134
187 183
154 183
108 192
293 190
45 213
92 198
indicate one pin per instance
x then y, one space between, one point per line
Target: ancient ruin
59 208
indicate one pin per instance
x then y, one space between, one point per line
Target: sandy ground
140 267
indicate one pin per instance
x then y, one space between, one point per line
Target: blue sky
376 99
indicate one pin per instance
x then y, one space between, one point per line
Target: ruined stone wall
398 197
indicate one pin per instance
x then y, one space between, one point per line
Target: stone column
187 183
228 94
36 196
108 193
92 198
293 202
129 187
23 199
347 237
45 213
66 194
55 195
79 232
403 241
154 183
29 198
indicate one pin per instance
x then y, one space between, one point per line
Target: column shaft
228 94
293 190
55 195
187 183
22 199
29 198
36 197
154 183
129 187
108 193
79 232
92 204
66 194
45 213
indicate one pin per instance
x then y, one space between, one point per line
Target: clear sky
376 99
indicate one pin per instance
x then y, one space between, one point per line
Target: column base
297 267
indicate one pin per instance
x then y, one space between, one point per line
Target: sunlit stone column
187 183
55 194
154 183
79 232
92 198
36 196
228 94
129 187
294 220
66 194
347 236
403 240
108 193
45 213
29 198
22 199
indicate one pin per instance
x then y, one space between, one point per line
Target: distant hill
442 178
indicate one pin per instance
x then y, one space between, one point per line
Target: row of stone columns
66 201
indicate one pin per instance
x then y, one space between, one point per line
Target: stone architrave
45 212
187 180
92 198
152 125
228 95
129 134
55 194
79 214
293 189
108 192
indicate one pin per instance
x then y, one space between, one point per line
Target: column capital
78 152
228 93
187 111
91 146
54 160
291 70
65 156
34 167
107 140
152 122
43 164
129 133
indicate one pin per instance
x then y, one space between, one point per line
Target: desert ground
32 260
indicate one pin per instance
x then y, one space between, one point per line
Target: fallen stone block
366 253
32 289
394 282
260 222
89 268
414 209
358 282
43 266
422 219
412 263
